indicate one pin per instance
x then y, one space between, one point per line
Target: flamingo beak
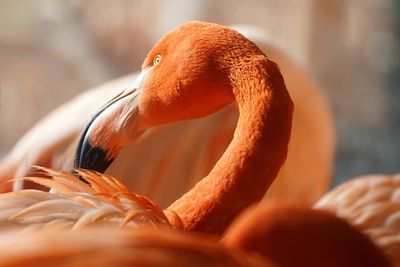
113 127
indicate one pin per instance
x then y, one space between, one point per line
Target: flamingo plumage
279 235
168 148
107 247
372 204
293 235
73 204
99 225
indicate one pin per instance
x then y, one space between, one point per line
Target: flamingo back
372 204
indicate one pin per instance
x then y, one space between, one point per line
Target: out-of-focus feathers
372 204
107 247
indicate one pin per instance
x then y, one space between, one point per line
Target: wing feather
74 204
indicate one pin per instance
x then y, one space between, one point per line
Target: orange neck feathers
255 155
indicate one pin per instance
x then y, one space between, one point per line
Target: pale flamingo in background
372 204
281 235
181 153
42 146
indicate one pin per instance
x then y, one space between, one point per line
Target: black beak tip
92 158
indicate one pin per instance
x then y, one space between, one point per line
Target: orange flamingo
280 235
197 144
193 71
372 204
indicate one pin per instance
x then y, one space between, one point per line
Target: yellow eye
156 60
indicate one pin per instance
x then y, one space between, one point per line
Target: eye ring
156 60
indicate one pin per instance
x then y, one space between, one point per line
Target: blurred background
50 50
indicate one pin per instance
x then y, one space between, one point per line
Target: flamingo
277 234
305 174
195 70
372 204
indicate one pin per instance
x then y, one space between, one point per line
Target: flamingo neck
253 158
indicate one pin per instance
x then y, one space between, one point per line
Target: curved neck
253 158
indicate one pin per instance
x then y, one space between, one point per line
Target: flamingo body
279 235
372 204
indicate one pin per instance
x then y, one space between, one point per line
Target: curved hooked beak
113 127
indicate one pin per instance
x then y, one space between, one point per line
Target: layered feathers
372 204
74 204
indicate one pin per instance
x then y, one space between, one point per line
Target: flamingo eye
156 60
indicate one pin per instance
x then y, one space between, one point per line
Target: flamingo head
186 75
